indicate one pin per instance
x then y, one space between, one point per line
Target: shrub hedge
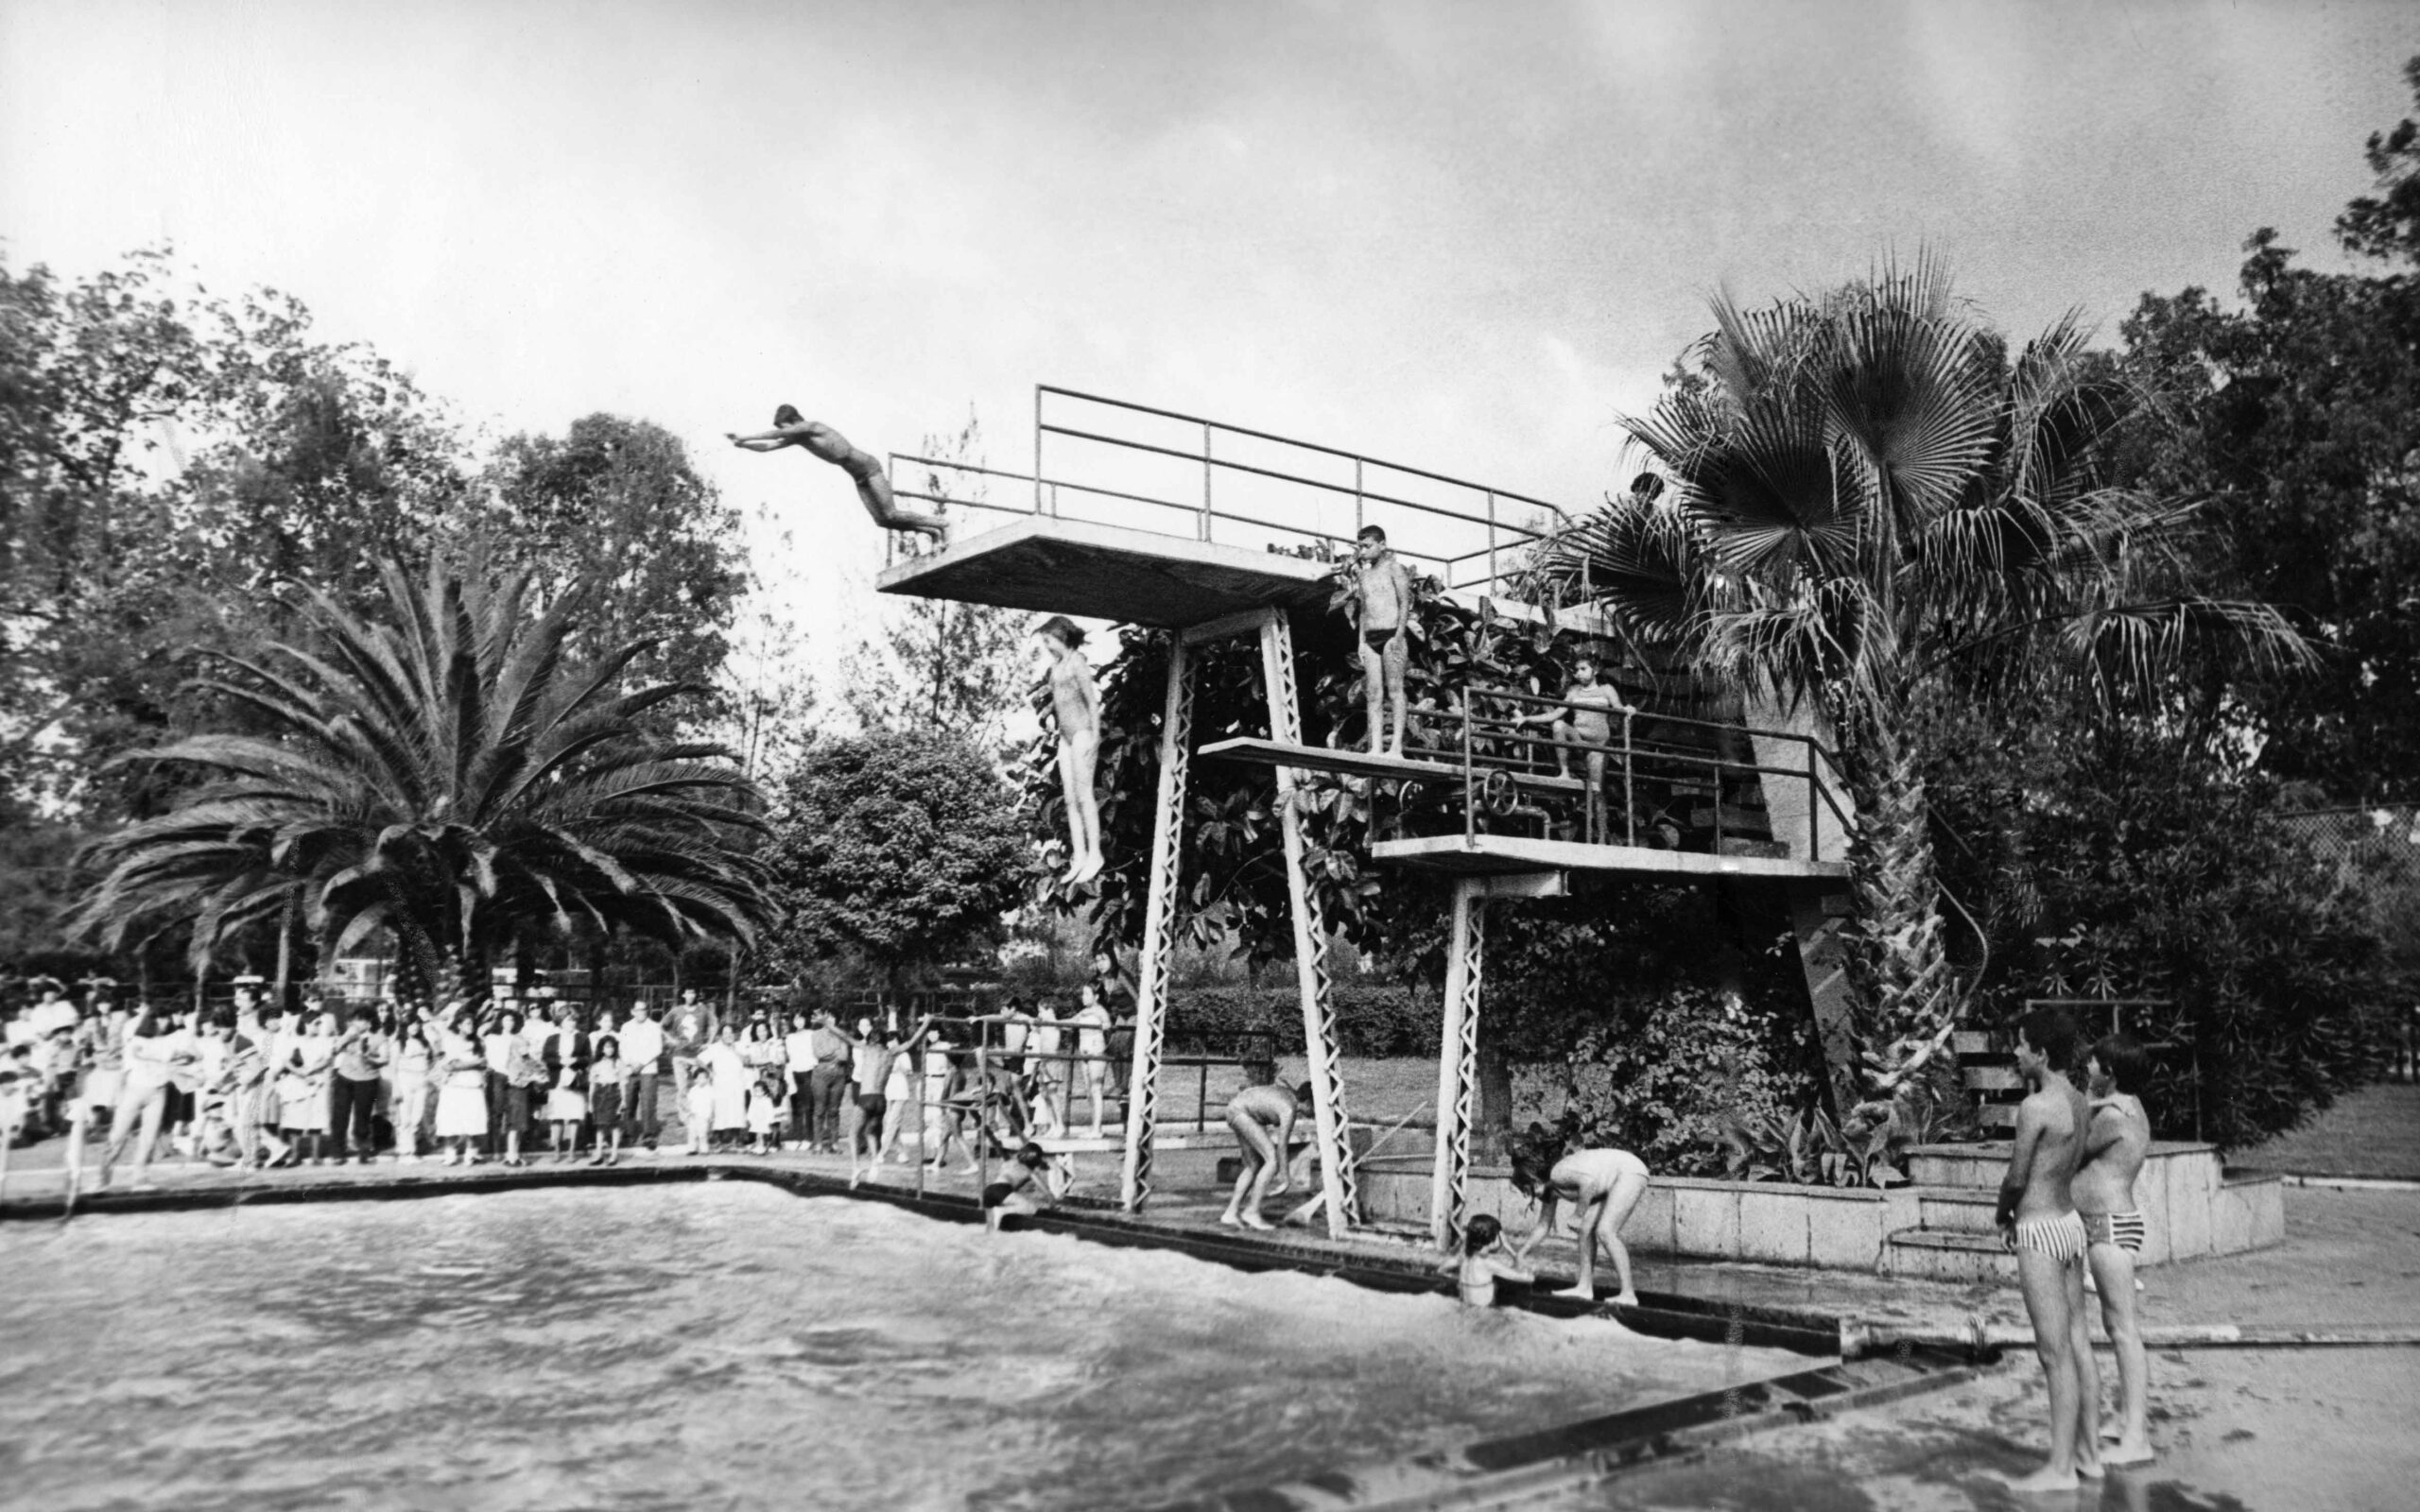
1373 1019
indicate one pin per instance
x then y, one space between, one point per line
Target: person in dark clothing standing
828 1083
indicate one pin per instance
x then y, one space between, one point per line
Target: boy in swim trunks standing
1378 596
2037 1218
2119 1138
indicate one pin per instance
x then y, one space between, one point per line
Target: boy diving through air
873 488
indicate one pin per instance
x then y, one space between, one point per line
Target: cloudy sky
1461 236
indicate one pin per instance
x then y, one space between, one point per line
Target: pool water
730 1346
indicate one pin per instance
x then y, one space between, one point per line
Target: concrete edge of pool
1487 1470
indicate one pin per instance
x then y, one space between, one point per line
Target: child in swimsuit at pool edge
1006 1198
1478 1267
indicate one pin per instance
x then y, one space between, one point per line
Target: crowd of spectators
515 1080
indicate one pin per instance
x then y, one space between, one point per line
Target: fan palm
1869 496
438 771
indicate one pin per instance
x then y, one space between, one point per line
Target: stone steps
1957 1209
1948 1256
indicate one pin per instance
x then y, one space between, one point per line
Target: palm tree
1871 499
438 772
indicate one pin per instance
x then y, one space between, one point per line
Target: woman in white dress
414 1070
302 1087
462 1101
732 1076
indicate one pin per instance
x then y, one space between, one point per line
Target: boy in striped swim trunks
2037 1217
2118 1139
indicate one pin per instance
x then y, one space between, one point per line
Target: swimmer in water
822 441
1480 1265
1602 1186
1252 1113
1022 1190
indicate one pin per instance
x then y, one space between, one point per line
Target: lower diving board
1482 854
1367 764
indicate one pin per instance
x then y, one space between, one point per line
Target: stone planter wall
1684 1215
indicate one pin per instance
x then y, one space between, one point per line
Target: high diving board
1488 855
1262 752
1052 566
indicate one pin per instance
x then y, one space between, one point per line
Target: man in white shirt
52 1014
797 1054
642 1044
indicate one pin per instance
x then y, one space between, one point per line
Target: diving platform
1053 566
1491 854
1262 752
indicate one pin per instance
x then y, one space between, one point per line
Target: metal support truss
1159 933
1457 1062
1337 1182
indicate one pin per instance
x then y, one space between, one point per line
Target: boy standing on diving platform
1377 595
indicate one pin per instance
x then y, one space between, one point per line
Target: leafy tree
902 849
2111 859
166 458
1871 497
768 693
443 772
2387 225
2298 417
616 506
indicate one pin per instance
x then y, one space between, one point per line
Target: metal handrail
1289 478
1444 564
1307 446
1477 727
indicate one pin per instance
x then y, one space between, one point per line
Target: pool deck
1916 1337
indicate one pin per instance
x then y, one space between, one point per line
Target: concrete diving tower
1174 522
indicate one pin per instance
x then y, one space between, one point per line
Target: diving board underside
1363 763
1102 571
1488 854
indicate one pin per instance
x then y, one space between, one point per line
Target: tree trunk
1912 998
285 951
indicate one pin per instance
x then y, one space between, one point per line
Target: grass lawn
1376 1091
2373 1132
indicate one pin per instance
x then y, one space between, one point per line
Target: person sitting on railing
1587 722
873 488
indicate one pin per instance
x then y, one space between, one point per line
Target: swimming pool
729 1345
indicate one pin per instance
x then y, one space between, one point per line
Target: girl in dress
303 1088
414 1068
462 1101
897 1093
605 1099
764 1051
567 1104
768 1105
698 1107
727 1069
